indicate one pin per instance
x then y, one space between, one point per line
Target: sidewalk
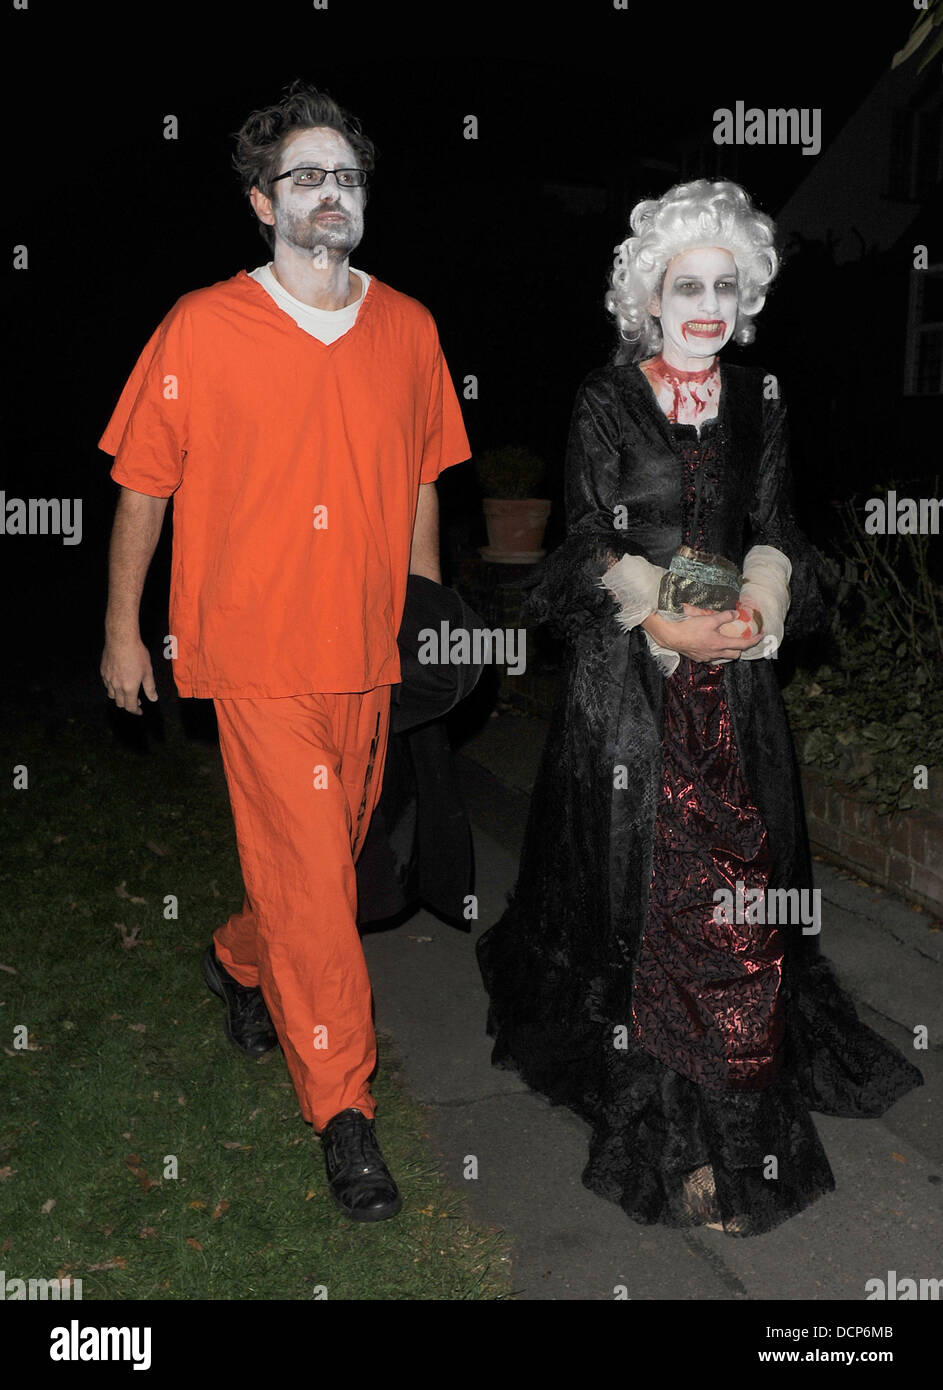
887 1210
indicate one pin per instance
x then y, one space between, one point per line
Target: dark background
582 110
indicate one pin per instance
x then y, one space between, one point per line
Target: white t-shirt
325 324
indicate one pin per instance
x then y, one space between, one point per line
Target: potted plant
515 518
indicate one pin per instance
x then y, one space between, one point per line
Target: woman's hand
748 622
703 634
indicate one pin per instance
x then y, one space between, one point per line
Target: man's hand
125 664
702 635
125 667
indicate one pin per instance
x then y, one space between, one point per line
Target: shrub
876 714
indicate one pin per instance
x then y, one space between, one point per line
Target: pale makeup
697 306
316 229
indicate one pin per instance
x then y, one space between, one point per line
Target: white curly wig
693 214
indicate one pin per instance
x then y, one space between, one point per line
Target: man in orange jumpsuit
299 416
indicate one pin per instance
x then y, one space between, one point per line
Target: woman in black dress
658 967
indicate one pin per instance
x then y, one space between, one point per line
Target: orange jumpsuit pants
304 775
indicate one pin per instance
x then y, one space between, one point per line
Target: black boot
247 1022
359 1179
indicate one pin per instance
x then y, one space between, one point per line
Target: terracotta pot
516 525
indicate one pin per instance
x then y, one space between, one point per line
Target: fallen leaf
256 1111
181 1100
234 1144
156 848
146 1231
309 1194
122 892
6 1173
900 1157
194 1244
137 1027
117 1262
129 939
221 1206
48 1205
107 1230
113 1017
134 1163
9 969
196 1206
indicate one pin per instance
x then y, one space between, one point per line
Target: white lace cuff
634 583
766 574
666 658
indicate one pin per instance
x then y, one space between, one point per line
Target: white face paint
697 306
329 216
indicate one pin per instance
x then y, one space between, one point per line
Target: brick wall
903 852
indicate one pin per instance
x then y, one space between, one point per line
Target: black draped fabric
418 848
588 963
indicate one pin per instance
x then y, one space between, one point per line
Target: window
916 153
923 375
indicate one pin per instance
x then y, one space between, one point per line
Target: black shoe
247 1023
359 1179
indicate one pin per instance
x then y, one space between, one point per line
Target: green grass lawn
127 1067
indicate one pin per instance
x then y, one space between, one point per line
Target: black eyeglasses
310 177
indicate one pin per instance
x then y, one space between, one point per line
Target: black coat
621 453
559 964
418 848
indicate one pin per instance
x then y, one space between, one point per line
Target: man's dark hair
262 137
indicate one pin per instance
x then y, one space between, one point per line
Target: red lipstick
704 328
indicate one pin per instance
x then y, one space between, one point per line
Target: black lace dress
695 1046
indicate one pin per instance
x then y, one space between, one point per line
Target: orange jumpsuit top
295 469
